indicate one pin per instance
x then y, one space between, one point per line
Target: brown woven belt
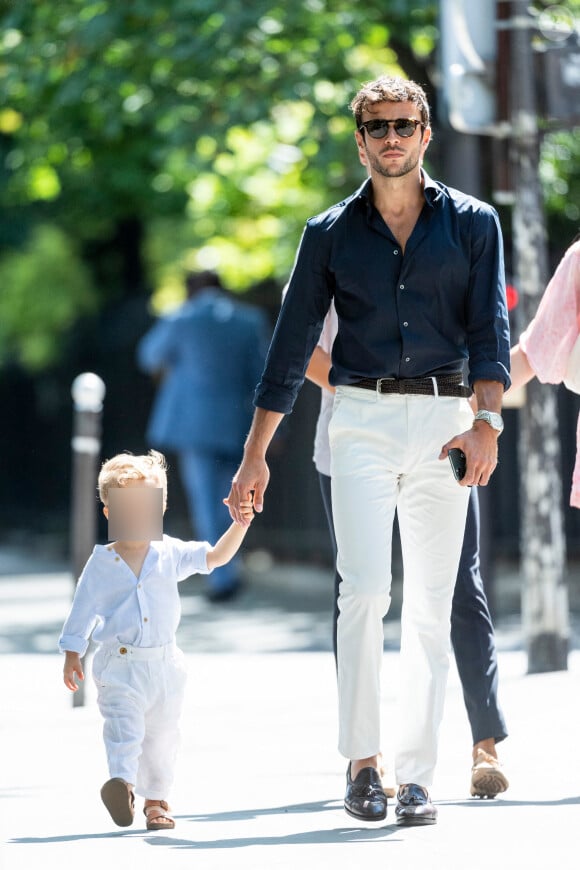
444 385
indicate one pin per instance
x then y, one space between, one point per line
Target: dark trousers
472 633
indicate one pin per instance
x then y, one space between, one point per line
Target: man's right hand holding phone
458 463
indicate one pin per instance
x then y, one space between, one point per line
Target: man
416 274
210 354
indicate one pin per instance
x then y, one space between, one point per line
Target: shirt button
395 252
146 619
117 558
405 323
401 286
407 359
123 650
139 585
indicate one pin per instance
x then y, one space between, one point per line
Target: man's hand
251 477
480 442
72 666
480 447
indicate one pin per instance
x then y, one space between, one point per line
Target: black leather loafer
365 798
414 806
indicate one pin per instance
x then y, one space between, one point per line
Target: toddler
127 598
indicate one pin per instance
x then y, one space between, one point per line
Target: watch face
494 420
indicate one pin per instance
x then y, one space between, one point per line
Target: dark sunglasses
378 128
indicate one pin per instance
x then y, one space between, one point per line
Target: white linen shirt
123 608
321 444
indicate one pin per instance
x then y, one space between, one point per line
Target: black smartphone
458 462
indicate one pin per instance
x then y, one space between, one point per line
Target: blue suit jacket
211 352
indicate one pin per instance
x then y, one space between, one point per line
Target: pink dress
550 337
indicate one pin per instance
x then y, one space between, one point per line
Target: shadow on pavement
502 802
322 836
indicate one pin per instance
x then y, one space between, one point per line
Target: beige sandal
119 799
154 812
487 776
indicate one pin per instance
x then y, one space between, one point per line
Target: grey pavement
260 782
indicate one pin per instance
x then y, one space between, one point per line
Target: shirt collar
431 189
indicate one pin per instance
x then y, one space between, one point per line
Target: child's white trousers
384 457
140 693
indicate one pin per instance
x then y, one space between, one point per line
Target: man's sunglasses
378 128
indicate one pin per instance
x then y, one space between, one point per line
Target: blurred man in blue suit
209 354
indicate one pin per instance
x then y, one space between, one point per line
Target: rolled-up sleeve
549 338
299 324
80 622
190 558
488 334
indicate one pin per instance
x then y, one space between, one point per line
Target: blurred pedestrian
472 631
417 276
209 355
549 348
127 598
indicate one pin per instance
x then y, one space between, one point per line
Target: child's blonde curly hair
125 467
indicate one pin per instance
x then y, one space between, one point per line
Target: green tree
190 126
560 152
45 288
560 176
191 133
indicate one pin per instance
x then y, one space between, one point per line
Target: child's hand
246 509
72 666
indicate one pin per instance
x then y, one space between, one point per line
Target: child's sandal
154 813
119 799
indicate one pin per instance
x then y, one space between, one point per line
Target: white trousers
384 451
140 694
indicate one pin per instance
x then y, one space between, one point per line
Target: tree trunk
544 593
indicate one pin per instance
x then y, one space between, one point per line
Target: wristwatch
493 419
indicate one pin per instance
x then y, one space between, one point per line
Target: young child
127 597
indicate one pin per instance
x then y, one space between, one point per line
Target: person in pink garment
545 346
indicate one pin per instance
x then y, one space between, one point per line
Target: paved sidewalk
260 782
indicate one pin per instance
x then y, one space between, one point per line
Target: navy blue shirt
418 314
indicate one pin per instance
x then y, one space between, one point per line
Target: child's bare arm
72 666
231 540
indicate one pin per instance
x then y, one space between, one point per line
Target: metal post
544 592
88 392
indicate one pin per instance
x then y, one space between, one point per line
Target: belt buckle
379 382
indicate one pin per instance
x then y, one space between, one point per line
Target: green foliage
560 155
45 287
230 119
219 128
560 176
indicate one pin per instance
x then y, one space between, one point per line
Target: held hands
248 487
246 509
72 666
480 447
